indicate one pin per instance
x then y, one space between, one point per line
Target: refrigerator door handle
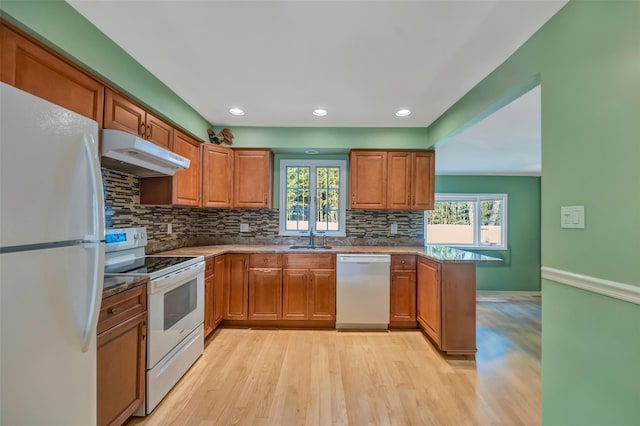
96 183
93 313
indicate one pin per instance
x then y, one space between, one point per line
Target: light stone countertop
439 253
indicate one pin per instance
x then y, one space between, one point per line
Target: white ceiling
508 142
279 60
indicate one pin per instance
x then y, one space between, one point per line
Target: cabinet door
209 285
423 180
265 294
217 176
29 67
403 296
158 132
252 178
219 285
295 304
187 183
237 287
368 179
121 357
122 114
429 304
322 294
399 180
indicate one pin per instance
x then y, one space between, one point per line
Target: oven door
176 307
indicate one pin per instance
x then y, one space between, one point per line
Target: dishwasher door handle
364 259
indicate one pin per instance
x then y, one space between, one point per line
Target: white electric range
175 303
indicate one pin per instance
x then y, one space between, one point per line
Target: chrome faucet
311 237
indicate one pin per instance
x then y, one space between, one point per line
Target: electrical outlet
169 228
394 228
244 227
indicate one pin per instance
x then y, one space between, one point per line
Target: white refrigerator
51 262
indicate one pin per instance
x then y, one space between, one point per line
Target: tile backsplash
199 226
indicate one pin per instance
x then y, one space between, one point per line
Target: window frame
313 165
475 198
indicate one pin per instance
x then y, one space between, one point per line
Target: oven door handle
176 279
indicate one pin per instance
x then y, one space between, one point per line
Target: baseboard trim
616 290
506 296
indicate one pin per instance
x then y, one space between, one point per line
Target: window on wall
476 221
312 195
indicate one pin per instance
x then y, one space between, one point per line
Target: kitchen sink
308 247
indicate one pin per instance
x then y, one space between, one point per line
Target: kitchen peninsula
432 288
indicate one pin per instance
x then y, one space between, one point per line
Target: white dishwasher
362 291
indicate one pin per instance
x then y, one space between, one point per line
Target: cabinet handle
403 262
113 311
148 131
409 199
141 132
413 200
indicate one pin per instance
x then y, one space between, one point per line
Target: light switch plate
244 227
394 228
572 217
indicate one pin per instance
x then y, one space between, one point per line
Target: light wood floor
301 377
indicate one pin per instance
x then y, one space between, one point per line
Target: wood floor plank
325 377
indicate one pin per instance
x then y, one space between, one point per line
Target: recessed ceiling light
403 112
320 112
236 111
311 151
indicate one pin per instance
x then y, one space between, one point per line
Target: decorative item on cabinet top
225 136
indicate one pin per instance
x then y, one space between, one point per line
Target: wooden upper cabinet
423 180
368 180
34 69
252 178
217 175
120 113
399 180
184 187
393 180
158 132
187 183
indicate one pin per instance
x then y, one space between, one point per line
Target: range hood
130 154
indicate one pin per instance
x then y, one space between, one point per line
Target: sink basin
309 247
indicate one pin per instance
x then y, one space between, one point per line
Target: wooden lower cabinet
295 294
209 296
446 308
403 296
429 298
322 294
218 289
265 293
402 307
236 294
309 293
121 354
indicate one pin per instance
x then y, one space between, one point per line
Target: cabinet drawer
403 262
122 306
210 267
309 261
265 260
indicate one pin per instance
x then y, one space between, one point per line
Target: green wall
587 59
521 271
330 139
62 28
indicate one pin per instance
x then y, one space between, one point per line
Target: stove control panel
125 238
